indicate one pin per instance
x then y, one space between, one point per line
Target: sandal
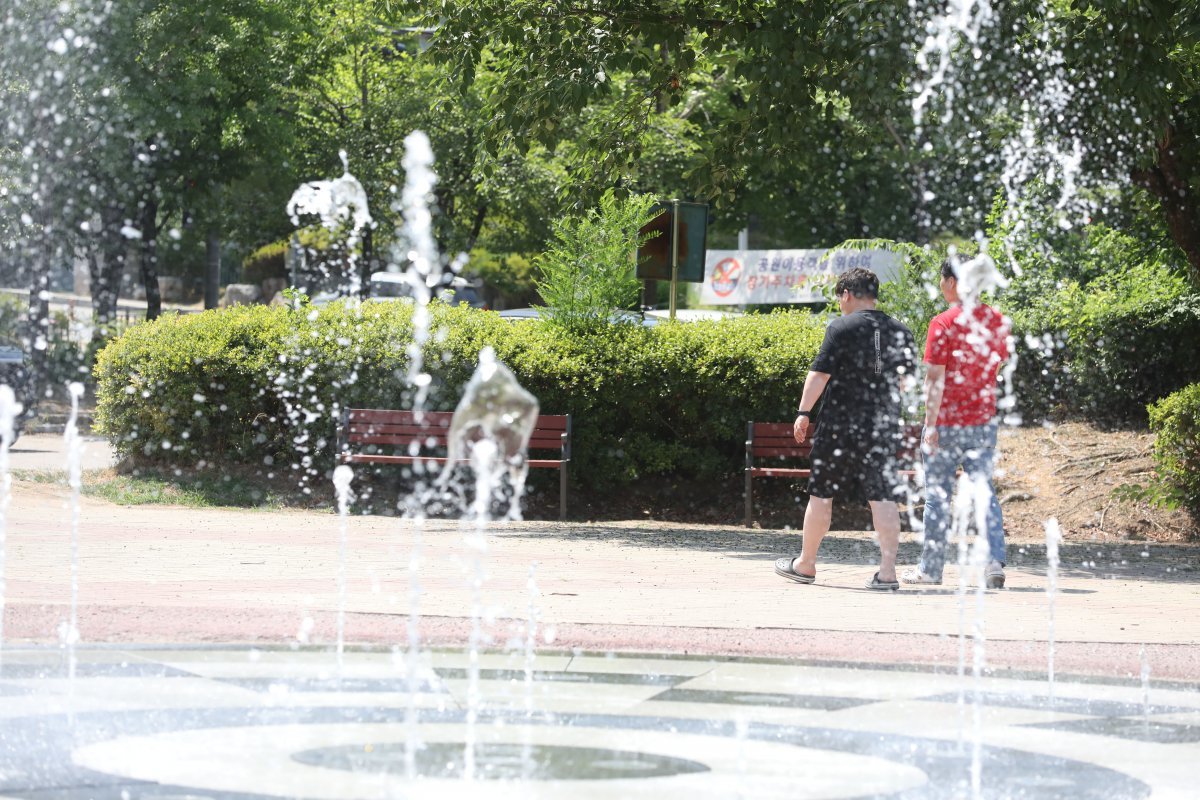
877 585
783 568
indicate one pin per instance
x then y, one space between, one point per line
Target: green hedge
1105 348
265 385
1176 421
268 261
1132 340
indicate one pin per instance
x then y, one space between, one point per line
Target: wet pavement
663 659
47 452
227 722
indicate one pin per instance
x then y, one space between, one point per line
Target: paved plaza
249 723
613 660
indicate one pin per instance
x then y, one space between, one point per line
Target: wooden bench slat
772 429
398 429
543 441
780 441
553 422
780 472
378 458
436 440
775 440
386 416
389 441
795 451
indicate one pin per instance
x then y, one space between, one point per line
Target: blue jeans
974 448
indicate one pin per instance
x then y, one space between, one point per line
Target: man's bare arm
935 385
814 386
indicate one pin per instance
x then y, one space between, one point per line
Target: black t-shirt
865 354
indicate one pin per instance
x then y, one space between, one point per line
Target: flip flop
877 585
783 568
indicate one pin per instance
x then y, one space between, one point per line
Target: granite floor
241 722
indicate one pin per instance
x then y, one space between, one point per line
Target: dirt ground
1067 471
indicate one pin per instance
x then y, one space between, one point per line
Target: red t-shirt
971 347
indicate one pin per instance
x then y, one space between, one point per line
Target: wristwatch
803 413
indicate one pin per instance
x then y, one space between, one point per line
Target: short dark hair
859 282
948 270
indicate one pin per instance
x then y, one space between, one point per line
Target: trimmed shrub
1131 338
266 385
268 261
1108 347
1176 421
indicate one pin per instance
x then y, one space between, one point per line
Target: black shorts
857 468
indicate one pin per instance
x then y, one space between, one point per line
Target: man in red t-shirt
963 351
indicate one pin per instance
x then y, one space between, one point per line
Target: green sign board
681 233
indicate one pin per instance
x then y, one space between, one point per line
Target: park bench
772 452
386 436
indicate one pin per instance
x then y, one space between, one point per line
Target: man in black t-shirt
862 367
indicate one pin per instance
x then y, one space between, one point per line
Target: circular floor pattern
239 723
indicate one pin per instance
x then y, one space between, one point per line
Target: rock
240 294
170 288
273 286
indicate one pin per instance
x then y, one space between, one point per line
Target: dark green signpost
677 253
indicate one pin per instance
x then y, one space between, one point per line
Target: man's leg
939 487
817 517
979 460
886 518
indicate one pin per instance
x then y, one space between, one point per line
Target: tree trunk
150 259
39 320
212 275
365 266
1167 180
476 226
107 268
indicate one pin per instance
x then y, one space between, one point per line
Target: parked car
13 373
621 316
452 291
647 318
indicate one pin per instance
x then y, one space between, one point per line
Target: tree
48 139
799 110
133 116
202 96
819 95
1135 75
376 88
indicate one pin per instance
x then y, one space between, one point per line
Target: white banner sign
750 277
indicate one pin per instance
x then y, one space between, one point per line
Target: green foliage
1107 347
586 272
268 261
511 276
734 86
914 297
195 489
12 314
1176 420
1132 338
188 388
260 385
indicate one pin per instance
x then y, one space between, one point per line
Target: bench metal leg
749 474
562 492
749 499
